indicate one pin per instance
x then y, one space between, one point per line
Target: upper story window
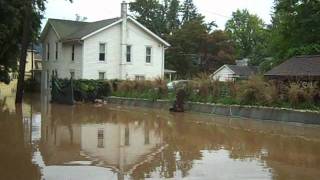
57 46
102 52
128 53
102 75
148 54
48 51
72 53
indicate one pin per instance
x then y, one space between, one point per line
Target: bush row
254 91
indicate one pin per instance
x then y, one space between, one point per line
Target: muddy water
57 142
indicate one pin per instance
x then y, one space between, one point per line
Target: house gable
146 30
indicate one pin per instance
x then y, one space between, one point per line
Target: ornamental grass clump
256 91
303 93
142 89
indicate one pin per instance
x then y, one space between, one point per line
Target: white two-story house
118 48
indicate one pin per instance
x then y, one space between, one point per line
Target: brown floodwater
39 140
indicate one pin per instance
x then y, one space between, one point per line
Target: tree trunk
24 47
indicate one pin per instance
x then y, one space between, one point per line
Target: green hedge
88 90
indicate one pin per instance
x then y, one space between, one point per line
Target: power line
217 14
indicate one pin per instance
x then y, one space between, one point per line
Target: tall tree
248 32
189 11
32 11
151 14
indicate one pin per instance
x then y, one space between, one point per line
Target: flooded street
87 141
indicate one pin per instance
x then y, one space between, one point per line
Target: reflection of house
120 146
233 72
297 68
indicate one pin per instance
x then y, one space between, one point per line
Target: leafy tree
20 25
196 50
296 27
151 14
186 44
217 50
249 34
10 26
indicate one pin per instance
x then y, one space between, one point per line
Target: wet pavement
39 140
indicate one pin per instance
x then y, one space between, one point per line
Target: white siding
138 40
91 64
87 65
63 64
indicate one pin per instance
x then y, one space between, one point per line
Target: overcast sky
217 10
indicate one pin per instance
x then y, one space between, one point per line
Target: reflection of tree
188 138
16 156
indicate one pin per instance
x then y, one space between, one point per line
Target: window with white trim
128 53
72 53
102 75
148 54
102 52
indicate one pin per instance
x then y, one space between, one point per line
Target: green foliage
249 34
88 90
195 50
295 29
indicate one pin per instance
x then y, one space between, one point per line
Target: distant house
118 48
33 65
233 72
297 68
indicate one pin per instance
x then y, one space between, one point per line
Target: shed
297 68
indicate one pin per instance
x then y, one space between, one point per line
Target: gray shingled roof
70 30
243 70
298 66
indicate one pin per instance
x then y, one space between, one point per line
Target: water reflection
48 141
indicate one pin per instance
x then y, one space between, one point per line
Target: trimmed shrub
88 90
